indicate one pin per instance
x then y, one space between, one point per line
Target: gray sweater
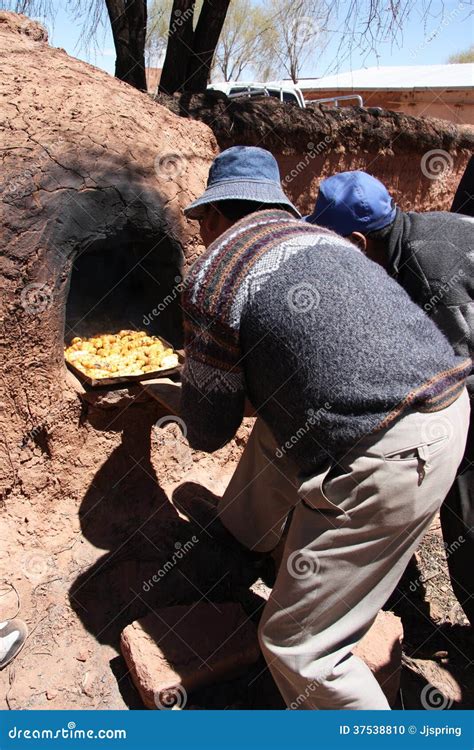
324 344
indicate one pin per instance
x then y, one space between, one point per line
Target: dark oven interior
129 281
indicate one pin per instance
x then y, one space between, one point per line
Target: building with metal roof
445 91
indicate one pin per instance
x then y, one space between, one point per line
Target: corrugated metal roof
458 76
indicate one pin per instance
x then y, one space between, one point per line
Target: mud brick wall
421 160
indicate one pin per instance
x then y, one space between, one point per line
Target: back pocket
412 453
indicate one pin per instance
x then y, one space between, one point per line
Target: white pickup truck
282 90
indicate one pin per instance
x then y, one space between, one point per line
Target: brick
179 649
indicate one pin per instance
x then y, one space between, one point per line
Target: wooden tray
124 379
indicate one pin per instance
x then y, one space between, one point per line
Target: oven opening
127 282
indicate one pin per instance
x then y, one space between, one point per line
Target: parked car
285 91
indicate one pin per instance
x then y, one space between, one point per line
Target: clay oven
95 176
94 179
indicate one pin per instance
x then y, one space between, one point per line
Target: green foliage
245 43
467 56
259 40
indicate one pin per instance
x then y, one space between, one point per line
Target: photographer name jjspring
428 731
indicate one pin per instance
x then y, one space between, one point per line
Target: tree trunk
206 38
189 53
180 42
128 22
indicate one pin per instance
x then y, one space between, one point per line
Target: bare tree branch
289 35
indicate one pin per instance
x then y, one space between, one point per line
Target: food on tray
120 354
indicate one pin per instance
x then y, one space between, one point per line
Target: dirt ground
79 575
78 568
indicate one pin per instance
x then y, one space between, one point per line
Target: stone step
179 649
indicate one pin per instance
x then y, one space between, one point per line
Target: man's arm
213 390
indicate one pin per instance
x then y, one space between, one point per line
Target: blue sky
446 32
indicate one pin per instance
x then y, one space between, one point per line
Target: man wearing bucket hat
347 402
432 256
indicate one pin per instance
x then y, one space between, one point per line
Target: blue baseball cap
245 173
353 202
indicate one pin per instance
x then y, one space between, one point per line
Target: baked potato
124 353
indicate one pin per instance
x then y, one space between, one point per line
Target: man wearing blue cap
432 256
360 428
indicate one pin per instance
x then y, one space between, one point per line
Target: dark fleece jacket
432 256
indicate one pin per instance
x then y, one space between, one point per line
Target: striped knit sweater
322 342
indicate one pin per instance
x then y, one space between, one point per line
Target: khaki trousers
353 530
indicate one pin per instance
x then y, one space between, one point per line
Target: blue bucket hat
353 202
243 173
